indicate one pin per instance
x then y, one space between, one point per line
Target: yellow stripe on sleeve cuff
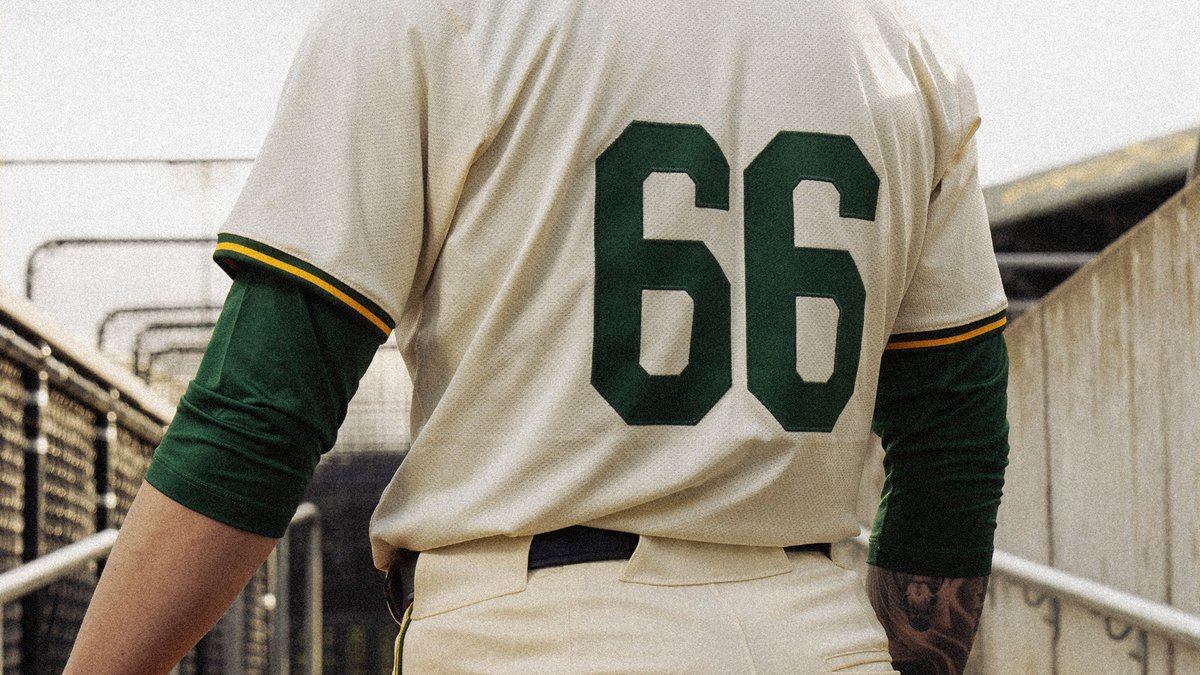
310 278
969 332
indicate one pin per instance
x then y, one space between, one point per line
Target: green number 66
777 272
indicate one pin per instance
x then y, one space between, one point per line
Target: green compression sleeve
271 392
942 415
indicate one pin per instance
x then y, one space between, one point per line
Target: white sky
81 81
1060 80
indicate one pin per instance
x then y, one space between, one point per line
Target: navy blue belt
568 546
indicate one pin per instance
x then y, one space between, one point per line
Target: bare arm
172 574
930 621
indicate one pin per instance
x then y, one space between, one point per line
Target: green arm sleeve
270 394
942 415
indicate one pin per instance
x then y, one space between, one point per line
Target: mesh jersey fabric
436 163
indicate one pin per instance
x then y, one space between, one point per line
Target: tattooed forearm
930 621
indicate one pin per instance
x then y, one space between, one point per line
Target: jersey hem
956 336
233 250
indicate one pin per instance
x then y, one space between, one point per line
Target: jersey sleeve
359 174
347 202
941 405
271 392
954 290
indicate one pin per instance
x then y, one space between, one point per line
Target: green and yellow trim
233 250
398 669
950 336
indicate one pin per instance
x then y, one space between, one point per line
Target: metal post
316 632
235 635
106 499
281 651
1194 169
36 449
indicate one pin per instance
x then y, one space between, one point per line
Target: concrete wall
1104 482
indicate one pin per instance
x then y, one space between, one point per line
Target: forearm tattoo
930 621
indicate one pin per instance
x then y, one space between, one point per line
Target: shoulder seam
460 31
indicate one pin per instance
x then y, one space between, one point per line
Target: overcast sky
1060 80
95 94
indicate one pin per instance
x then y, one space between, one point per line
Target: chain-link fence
76 436
86 284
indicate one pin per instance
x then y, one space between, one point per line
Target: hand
930 621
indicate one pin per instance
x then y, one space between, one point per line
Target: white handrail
1156 618
36 574
45 570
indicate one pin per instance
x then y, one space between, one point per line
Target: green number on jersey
627 263
777 272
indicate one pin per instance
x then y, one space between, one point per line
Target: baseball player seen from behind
657 270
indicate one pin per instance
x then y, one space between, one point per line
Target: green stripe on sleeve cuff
956 336
233 251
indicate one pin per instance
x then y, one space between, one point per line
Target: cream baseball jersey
641 269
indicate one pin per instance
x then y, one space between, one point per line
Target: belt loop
660 561
463 574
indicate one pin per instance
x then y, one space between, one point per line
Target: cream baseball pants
673 607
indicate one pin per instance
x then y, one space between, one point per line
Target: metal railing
81 242
41 572
280 657
146 313
1047 260
37 574
1156 618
